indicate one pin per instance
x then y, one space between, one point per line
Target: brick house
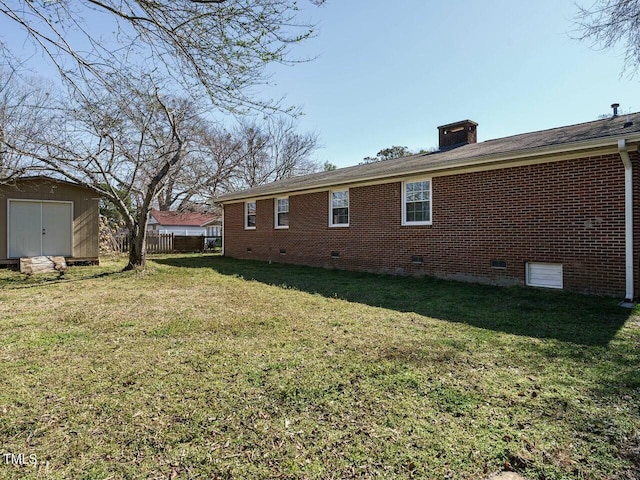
558 208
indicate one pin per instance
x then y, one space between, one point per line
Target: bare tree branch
219 47
609 23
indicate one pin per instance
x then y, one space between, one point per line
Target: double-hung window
416 202
282 213
250 215
339 208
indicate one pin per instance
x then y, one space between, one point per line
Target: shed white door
57 224
25 229
40 228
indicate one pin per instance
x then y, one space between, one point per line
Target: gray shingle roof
556 139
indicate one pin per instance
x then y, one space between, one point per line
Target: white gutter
628 218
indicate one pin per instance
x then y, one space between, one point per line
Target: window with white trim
282 212
339 208
250 215
416 202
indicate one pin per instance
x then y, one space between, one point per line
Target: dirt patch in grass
205 367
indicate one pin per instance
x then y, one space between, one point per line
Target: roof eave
210 222
513 155
46 178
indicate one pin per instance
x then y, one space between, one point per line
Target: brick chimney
457 134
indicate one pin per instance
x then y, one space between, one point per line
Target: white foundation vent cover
548 275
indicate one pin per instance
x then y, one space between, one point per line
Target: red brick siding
569 212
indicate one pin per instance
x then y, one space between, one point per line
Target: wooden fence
170 243
161 243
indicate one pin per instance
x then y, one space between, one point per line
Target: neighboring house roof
594 134
183 219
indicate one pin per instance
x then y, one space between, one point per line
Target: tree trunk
137 246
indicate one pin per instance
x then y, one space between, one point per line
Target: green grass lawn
207 367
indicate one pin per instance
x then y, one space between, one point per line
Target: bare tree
122 144
121 132
214 158
274 151
221 160
608 23
135 147
21 117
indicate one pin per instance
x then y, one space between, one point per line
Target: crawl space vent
547 275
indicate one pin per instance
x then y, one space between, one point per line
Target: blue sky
388 73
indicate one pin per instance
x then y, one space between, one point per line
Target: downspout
628 218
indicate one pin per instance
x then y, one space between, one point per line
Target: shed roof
552 141
45 178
